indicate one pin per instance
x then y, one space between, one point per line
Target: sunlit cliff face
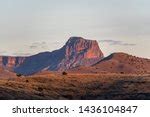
78 45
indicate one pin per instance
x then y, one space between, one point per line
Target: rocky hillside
118 63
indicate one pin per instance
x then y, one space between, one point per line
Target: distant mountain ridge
77 55
76 52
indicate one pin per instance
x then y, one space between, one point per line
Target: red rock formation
10 63
89 48
79 51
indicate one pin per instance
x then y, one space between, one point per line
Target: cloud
22 54
115 42
2 52
56 43
38 45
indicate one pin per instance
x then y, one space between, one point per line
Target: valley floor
55 86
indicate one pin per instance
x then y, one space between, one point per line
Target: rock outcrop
78 52
10 63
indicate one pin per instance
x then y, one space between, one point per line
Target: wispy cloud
115 42
2 52
38 45
21 54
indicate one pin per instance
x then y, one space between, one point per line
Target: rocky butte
76 52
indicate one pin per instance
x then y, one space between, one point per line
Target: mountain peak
76 52
76 39
79 51
88 48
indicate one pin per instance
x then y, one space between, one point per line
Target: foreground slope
76 86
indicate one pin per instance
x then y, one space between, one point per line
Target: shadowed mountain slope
76 52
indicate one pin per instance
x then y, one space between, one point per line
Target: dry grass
76 86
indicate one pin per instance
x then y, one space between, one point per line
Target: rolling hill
118 63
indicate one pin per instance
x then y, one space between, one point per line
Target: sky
31 26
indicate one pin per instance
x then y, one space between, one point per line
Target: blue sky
31 26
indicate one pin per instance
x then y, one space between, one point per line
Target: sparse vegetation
40 89
64 73
81 86
18 75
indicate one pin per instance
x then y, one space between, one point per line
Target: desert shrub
18 75
41 94
64 73
27 81
40 89
122 72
